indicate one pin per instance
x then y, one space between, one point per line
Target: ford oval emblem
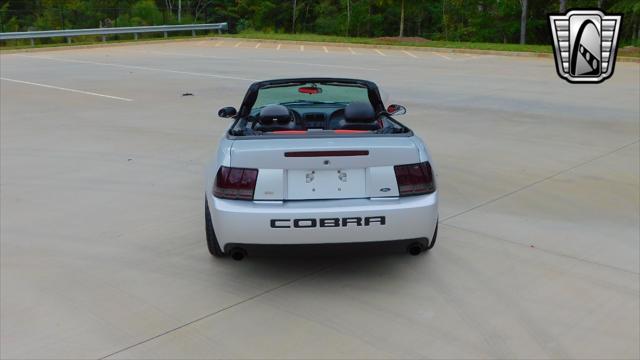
385 189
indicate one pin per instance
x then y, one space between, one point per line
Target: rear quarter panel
222 157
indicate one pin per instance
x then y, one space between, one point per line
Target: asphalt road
102 231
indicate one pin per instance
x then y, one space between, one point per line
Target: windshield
311 94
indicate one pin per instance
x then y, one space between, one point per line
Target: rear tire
433 240
212 240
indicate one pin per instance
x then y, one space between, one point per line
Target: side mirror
227 112
395 109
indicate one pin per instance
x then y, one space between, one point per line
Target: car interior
353 118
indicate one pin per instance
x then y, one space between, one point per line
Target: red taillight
235 183
415 179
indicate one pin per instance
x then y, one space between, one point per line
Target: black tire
433 240
212 240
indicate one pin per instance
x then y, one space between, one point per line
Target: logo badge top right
585 43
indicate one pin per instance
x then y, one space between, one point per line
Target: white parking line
379 52
279 46
218 43
410 54
471 57
179 54
257 45
65 89
301 47
442 56
137 67
325 49
253 59
316 65
237 44
351 51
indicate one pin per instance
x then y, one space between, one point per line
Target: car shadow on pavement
309 260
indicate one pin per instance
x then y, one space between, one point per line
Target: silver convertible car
316 162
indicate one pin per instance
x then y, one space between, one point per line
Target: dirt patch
405 39
629 51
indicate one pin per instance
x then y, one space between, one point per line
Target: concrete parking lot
102 229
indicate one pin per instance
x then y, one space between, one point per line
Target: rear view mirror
227 112
395 109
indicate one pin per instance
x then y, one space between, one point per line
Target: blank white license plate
326 184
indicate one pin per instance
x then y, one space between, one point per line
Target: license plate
326 184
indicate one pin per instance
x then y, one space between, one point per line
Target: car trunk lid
324 168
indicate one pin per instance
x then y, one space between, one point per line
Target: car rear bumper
323 221
330 249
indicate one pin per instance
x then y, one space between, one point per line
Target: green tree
631 23
145 12
461 20
7 21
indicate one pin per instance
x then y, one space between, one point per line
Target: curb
317 43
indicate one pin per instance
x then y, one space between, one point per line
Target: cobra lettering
308 223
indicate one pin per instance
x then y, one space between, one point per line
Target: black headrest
359 112
274 114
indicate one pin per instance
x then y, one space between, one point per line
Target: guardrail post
165 34
68 40
219 31
193 33
104 38
33 43
135 36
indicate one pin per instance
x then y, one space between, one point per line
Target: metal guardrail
135 30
